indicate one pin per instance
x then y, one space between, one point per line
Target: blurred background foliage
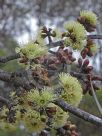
88 104
17 19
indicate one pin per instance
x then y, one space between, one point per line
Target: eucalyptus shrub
48 78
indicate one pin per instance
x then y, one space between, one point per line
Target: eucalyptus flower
33 50
76 35
59 119
72 92
89 16
34 122
42 98
8 127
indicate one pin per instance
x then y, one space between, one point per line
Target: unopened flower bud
85 63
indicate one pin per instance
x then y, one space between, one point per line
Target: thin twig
95 98
95 36
5 101
9 58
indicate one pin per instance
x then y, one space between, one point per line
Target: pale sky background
33 27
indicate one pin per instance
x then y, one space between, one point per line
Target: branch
10 57
17 82
5 101
79 113
95 36
59 43
4 76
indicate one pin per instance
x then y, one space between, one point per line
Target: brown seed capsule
63 59
23 60
73 59
83 54
85 63
51 111
89 68
86 50
53 66
72 127
63 35
66 126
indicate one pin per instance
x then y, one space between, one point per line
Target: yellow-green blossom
34 122
60 117
72 92
40 99
4 112
76 34
32 50
8 127
79 45
89 16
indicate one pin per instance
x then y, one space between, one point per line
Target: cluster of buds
51 111
89 75
70 129
62 56
87 87
50 62
41 75
65 56
84 65
90 49
47 32
87 84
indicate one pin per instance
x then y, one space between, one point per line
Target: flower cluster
88 19
89 16
7 125
87 72
34 122
42 98
75 36
47 80
72 92
33 50
90 49
59 118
